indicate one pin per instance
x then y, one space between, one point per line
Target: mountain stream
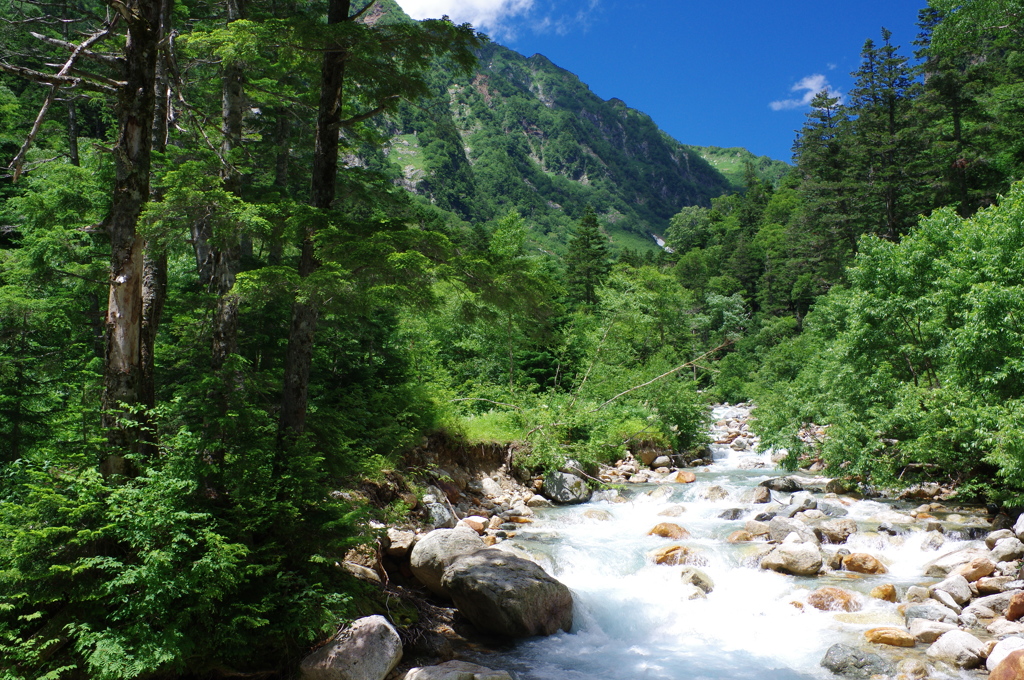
632 618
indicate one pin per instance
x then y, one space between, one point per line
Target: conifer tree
588 261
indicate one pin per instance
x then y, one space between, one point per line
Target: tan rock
739 537
1016 607
830 598
896 637
669 530
682 477
755 528
672 511
1010 668
670 555
490 540
886 591
474 522
863 563
990 585
977 568
599 515
518 519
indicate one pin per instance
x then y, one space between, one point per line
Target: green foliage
916 366
587 263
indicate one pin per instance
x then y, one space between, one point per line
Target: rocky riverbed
719 567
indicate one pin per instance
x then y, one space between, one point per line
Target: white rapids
631 616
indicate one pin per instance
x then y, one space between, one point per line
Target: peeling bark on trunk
124 377
305 313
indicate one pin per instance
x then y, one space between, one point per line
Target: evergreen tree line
881 274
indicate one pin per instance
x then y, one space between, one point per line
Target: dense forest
252 252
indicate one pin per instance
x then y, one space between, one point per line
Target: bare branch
688 364
16 164
349 122
108 59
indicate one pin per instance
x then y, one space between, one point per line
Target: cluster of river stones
972 618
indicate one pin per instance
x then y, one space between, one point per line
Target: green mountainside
522 133
732 163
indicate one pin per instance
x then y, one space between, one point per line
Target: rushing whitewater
632 618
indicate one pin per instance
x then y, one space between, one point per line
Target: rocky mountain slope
521 132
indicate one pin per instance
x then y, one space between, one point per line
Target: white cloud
502 18
810 86
487 15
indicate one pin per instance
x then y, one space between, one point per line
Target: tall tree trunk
154 265
124 378
305 313
72 131
226 259
283 140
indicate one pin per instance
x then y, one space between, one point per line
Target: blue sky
707 72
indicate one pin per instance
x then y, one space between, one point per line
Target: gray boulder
799 559
803 500
507 595
943 565
996 603
925 630
837 530
456 670
959 648
434 552
369 649
439 516
1007 550
855 663
957 587
931 610
1018 527
832 509
995 536
780 527
783 484
565 488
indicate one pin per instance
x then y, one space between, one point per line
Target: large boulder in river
434 552
957 587
837 530
565 488
783 484
507 595
855 663
456 670
959 648
780 527
369 649
799 559
945 564
932 611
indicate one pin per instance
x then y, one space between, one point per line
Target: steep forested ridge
521 133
